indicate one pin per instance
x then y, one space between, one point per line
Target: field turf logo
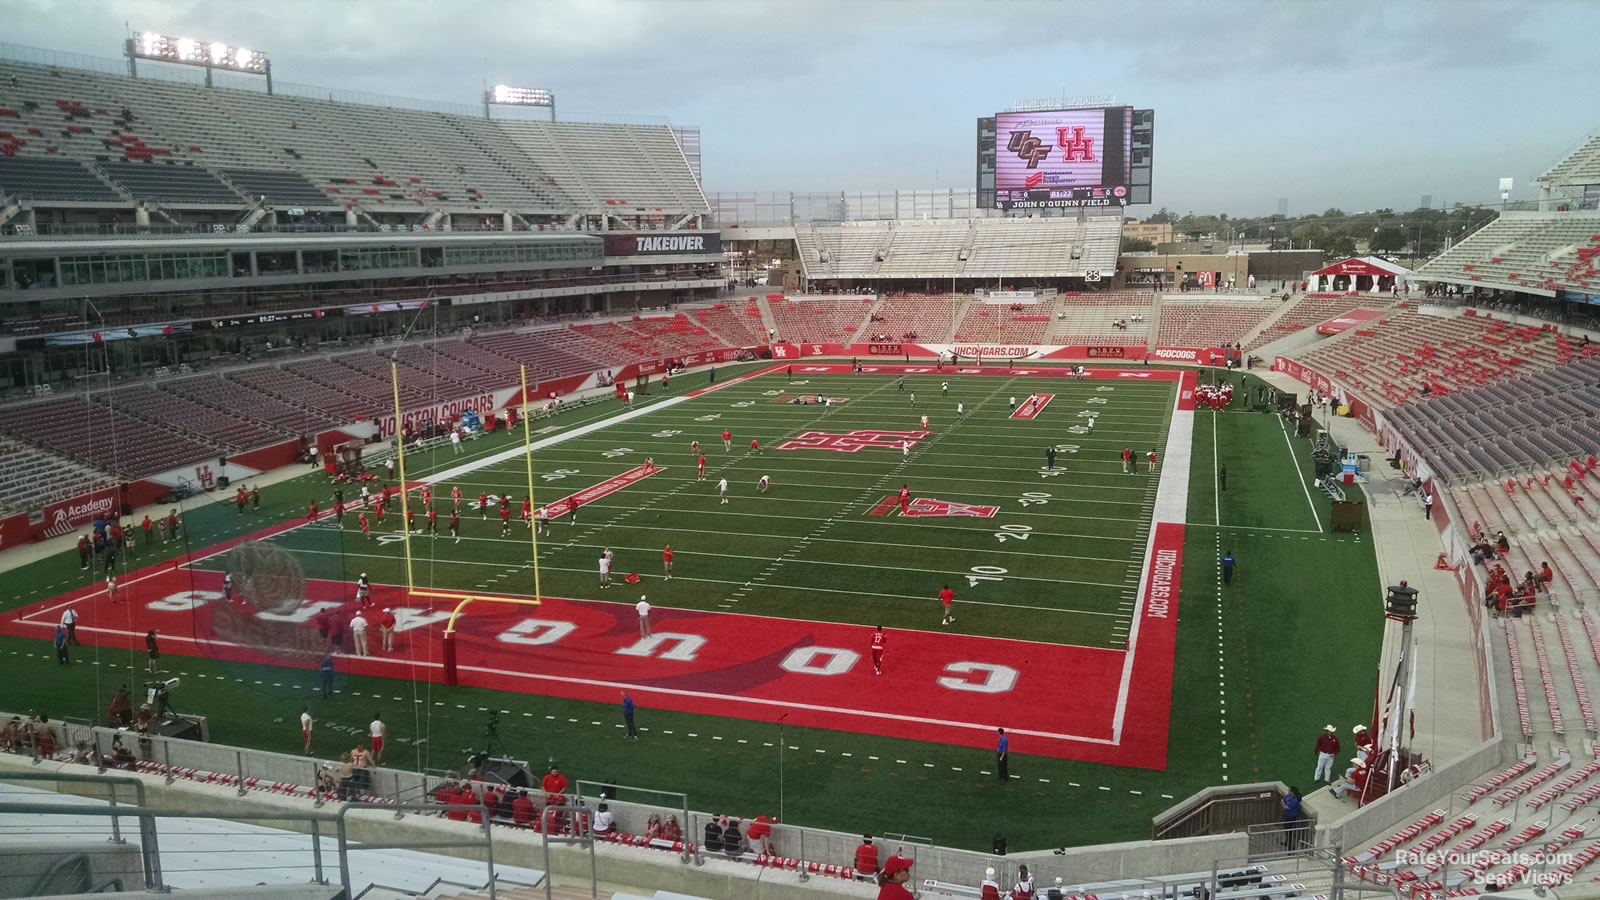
853 442
930 506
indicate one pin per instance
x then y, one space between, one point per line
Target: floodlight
188 51
518 96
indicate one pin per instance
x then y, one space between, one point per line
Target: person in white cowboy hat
1354 781
989 888
1363 741
1327 749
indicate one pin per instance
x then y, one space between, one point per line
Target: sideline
1300 474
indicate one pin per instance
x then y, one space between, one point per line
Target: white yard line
1300 474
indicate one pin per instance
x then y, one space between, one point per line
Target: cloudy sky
1352 104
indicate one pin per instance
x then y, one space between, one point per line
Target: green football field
1260 666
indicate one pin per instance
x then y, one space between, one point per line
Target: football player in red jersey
877 651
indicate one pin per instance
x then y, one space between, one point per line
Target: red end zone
1097 705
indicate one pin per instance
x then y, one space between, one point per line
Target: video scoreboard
1065 158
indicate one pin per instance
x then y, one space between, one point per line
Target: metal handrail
148 841
150 851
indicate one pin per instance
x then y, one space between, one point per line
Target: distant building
1155 234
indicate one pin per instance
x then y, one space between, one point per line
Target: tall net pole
400 458
527 456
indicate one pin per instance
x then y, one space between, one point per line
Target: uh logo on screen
1075 146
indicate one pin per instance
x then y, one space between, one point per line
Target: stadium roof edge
157 71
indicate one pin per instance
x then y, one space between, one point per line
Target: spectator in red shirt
1327 749
892 880
1545 577
522 810
867 856
554 784
386 623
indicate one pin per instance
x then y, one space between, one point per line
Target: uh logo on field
854 441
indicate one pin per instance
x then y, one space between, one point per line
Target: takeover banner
678 243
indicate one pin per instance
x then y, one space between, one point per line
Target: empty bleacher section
288 385
1581 167
1006 323
927 320
1007 248
98 434
31 478
166 183
553 352
818 319
280 187
1529 423
1546 251
1309 310
224 429
922 250
1389 360
289 416
25 178
1208 324
738 325
944 248
1119 318
338 154
841 251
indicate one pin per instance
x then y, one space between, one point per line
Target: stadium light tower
190 52
505 95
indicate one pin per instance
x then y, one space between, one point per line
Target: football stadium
406 499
